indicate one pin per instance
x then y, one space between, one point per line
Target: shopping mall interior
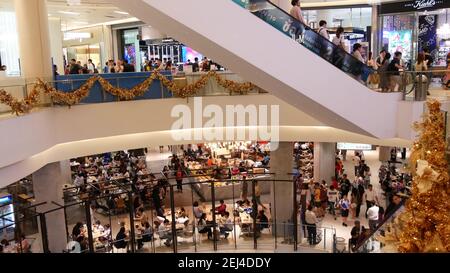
172 127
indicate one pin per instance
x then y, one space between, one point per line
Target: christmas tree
424 226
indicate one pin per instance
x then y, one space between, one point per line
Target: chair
231 233
157 238
199 236
120 205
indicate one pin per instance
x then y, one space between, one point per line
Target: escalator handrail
306 27
385 220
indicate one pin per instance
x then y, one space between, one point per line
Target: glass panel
244 212
266 235
101 228
76 225
306 36
9 45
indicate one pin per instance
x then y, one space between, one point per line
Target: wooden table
26 197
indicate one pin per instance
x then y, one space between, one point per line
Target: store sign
427 32
424 4
416 5
354 146
77 35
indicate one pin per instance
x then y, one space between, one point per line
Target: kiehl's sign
415 5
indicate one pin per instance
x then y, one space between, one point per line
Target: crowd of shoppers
388 66
122 66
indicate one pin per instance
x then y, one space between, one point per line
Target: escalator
375 241
304 35
308 72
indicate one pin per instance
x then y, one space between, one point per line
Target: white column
374 39
106 45
384 154
56 42
34 39
48 186
66 172
324 161
281 163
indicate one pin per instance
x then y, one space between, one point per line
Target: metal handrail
380 225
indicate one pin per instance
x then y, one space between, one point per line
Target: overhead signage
354 146
68 36
414 5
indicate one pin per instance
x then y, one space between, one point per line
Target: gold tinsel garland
424 226
71 98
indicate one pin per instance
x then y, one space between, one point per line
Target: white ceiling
91 12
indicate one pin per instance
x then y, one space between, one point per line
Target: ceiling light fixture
77 35
121 12
73 2
69 12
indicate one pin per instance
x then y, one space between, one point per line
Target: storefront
87 43
356 22
130 47
157 45
412 26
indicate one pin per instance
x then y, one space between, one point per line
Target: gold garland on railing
127 94
71 98
185 91
20 106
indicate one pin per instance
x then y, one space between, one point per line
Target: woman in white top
339 38
296 11
421 66
198 211
357 48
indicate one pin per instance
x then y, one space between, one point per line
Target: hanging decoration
24 106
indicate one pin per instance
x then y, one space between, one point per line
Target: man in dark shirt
355 233
395 66
394 69
195 65
74 67
345 185
128 67
393 206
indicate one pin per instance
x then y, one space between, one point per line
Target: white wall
149 33
409 112
295 74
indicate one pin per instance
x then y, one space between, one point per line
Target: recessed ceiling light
69 12
121 12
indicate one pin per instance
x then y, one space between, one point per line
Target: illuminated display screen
190 54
